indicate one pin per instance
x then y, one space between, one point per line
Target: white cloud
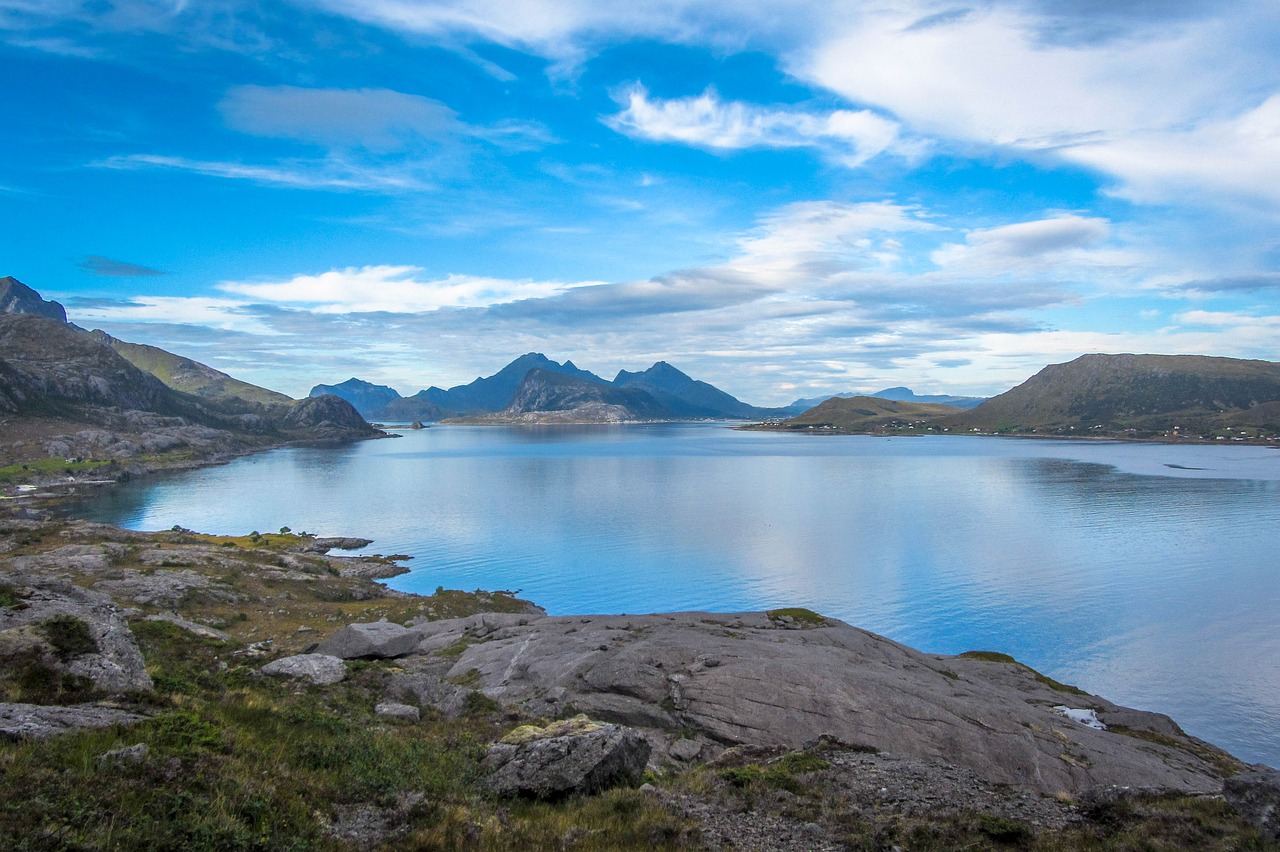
209 312
849 137
395 289
790 242
1011 246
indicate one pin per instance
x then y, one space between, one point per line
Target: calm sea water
1146 573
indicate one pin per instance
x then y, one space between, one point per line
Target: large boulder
322 669
379 640
572 756
1255 795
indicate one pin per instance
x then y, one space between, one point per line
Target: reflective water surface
1145 573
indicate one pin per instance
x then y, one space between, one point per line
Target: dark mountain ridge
1139 396
668 394
366 397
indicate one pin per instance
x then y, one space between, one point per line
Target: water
1145 573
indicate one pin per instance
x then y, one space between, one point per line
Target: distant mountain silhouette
367 398
899 394
661 392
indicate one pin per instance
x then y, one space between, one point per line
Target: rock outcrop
1255 795
571 756
784 679
31 721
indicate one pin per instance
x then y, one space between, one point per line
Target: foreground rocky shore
181 690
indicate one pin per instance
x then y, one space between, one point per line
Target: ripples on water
1145 573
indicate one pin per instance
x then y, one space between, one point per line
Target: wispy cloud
849 137
392 289
376 119
330 173
117 268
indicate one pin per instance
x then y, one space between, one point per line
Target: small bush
68 636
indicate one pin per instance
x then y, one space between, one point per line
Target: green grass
68 636
997 657
804 616
14 474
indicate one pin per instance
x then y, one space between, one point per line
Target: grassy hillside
191 376
1138 396
866 414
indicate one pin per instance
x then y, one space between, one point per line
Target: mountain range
534 385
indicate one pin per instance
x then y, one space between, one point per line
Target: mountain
688 397
187 375
866 414
68 392
1137 396
544 396
899 394
495 392
367 398
18 298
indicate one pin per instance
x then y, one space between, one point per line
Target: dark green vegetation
1138 396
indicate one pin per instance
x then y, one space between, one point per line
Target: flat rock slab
571 756
749 678
318 668
29 721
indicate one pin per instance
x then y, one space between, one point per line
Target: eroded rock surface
749 678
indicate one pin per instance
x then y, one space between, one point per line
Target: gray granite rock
379 640
572 756
317 668
1255 795
29 721
750 679
395 710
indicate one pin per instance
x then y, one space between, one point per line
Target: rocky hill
68 393
1138 396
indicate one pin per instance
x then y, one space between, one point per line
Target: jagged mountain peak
18 298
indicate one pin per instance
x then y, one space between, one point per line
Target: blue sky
781 198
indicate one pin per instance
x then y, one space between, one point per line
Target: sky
781 198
